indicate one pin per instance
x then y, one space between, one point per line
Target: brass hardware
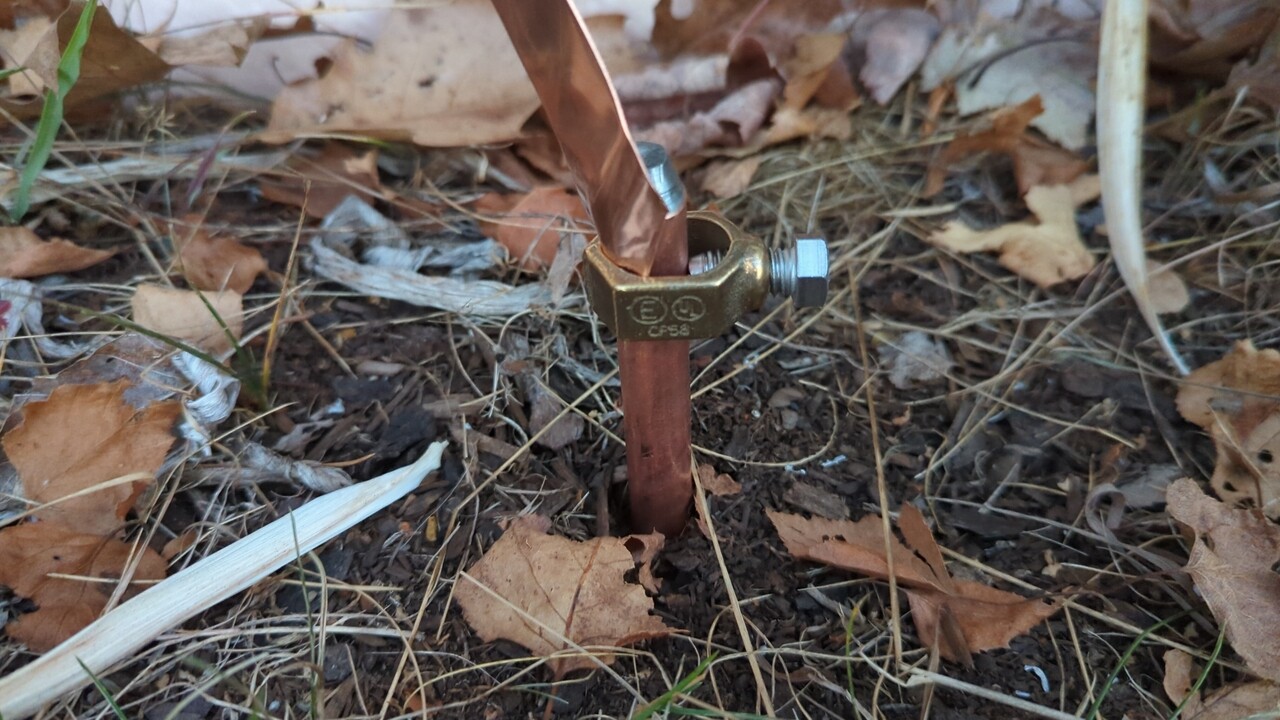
686 306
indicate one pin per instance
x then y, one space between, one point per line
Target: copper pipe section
639 231
584 112
655 389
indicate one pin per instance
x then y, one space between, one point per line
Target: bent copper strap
585 114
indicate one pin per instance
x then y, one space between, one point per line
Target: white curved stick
1122 76
118 634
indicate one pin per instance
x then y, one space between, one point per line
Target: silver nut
811 272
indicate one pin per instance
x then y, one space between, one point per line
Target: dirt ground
1052 394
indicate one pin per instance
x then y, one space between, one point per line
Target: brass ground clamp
733 274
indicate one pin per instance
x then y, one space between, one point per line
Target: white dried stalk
1122 77
116 636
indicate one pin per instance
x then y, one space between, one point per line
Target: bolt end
811 271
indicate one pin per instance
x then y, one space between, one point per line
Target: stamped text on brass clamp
735 272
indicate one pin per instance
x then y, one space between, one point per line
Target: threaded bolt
798 272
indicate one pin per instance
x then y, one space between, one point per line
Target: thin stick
895 608
120 633
700 497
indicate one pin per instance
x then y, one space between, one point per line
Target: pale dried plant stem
1122 77
116 636
700 497
895 607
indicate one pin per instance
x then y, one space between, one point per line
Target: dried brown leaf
815 70
1020 58
183 315
729 178
529 225
548 416
221 46
113 60
1035 162
30 553
959 618
733 121
83 436
320 183
543 592
23 254
32 46
893 42
1046 252
444 75
1167 290
644 550
718 484
1232 562
214 263
1237 400
1230 702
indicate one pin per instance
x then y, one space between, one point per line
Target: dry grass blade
1121 91
120 633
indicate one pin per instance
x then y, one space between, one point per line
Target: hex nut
812 266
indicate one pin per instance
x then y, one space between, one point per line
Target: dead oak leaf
84 436
1237 401
214 262
35 557
1046 252
957 617
550 593
1035 161
24 255
1231 562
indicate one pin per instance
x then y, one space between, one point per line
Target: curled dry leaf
1237 401
1232 562
545 592
1230 702
718 484
1046 252
183 315
1035 161
445 75
214 262
85 436
529 225
33 552
23 254
957 617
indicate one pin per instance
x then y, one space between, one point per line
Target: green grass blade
685 684
106 692
51 113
